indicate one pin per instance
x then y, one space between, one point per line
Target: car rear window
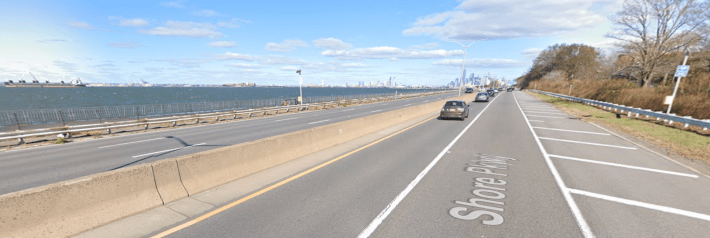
451 103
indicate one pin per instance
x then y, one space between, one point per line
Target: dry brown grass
693 98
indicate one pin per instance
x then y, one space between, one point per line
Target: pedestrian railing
171 121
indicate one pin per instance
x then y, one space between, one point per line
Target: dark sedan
454 109
491 93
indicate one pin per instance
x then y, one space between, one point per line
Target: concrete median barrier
68 208
71 207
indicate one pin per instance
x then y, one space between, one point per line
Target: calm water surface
45 98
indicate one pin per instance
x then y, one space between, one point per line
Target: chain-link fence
47 118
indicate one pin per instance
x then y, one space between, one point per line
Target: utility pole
685 60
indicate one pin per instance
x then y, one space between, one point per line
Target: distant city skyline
217 42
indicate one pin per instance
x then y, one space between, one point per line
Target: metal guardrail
67 131
43 118
670 118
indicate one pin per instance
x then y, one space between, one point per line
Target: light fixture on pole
300 90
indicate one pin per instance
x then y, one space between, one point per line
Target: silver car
482 97
454 109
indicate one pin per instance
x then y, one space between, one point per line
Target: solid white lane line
643 204
536 121
545 116
318 121
407 105
626 166
162 151
652 151
426 101
286 119
376 110
586 132
348 110
581 222
131 142
381 217
588 143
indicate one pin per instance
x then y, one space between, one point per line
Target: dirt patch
690 146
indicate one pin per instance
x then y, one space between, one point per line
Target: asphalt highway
517 167
27 168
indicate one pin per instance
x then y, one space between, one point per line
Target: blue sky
216 42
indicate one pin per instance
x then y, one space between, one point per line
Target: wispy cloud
482 63
81 25
387 52
66 66
172 4
508 19
189 29
205 13
136 22
233 23
531 53
331 44
235 56
244 65
51 40
286 45
125 45
223 44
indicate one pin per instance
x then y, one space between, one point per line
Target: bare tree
652 29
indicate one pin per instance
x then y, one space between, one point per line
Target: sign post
680 72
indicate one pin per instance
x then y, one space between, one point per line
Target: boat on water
36 84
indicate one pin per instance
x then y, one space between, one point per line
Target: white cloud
244 65
80 25
331 44
236 56
137 22
481 19
172 4
387 52
234 23
281 60
286 45
125 45
205 13
223 44
483 63
426 46
531 53
190 29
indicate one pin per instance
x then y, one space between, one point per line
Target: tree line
651 34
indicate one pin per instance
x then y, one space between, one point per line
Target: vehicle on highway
469 90
454 109
491 93
511 89
495 90
482 97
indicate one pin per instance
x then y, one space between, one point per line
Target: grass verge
685 143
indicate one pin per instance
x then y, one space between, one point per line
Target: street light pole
300 90
463 66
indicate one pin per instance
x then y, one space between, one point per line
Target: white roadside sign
682 71
669 100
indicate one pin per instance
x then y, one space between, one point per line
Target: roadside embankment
693 144
71 207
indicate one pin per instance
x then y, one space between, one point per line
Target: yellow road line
253 195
